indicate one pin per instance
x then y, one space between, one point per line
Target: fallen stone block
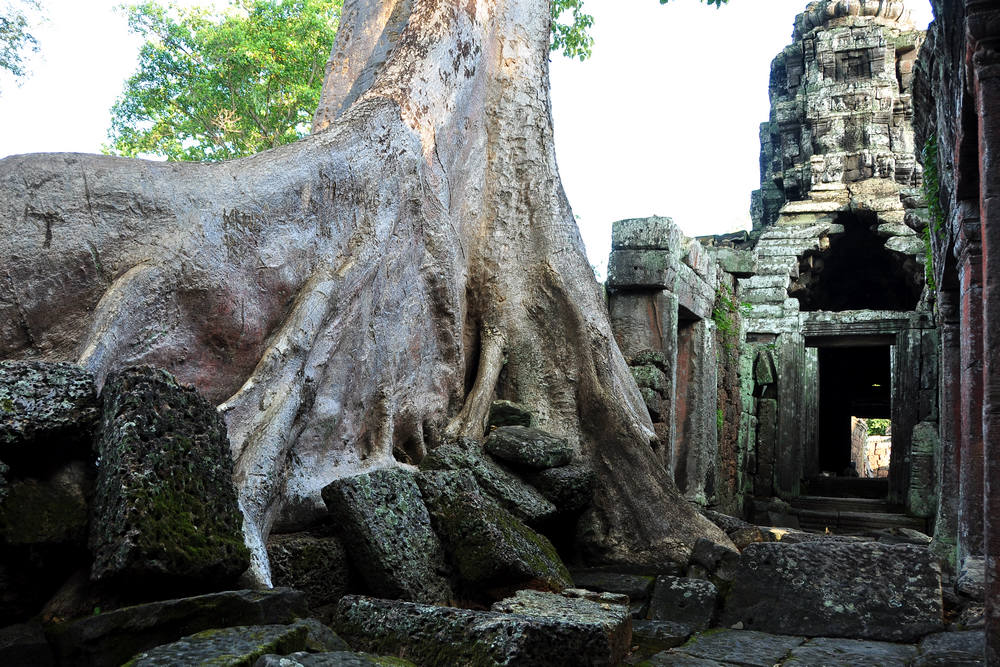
528 447
850 653
314 564
513 493
165 510
329 659
570 488
572 631
684 600
110 638
952 649
48 412
224 646
830 588
493 551
736 647
654 636
388 534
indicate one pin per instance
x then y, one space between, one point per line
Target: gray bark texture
369 289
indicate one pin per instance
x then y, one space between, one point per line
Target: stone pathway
759 649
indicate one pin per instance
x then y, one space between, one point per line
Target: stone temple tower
840 324
841 107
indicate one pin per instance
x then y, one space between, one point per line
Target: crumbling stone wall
958 125
675 311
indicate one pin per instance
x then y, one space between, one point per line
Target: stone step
830 503
817 520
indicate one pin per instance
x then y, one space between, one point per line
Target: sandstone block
570 488
387 531
645 234
110 638
631 269
528 447
492 550
850 652
568 631
837 589
740 263
165 511
513 493
48 412
725 647
683 600
317 565
229 646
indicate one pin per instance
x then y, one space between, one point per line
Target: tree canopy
220 85
16 40
573 36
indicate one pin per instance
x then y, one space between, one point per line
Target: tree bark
369 289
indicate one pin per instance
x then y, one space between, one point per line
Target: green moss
932 185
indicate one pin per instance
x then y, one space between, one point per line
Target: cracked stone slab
740 647
862 590
851 652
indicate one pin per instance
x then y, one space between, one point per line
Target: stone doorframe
913 337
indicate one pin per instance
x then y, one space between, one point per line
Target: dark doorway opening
853 382
857 272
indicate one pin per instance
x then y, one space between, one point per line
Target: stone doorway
855 383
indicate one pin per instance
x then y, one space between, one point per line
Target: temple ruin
793 438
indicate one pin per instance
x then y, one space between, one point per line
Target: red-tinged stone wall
957 94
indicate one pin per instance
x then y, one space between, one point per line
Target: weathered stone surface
388 534
566 631
48 412
492 549
952 649
51 512
528 447
740 263
637 587
226 647
110 638
509 413
25 644
837 589
655 636
653 233
329 659
972 578
718 560
165 510
570 488
643 269
650 377
515 495
741 647
850 653
683 600
316 565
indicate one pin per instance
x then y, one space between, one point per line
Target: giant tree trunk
365 291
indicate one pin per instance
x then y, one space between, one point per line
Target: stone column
696 439
984 33
946 524
970 504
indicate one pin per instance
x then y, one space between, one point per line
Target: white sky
662 120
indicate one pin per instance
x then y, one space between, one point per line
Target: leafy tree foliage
215 86
15 36
573 37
